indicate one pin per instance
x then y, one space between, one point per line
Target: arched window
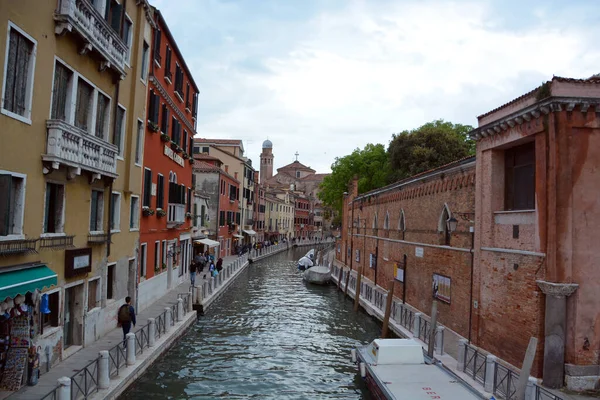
402 222
443 224
375 222
386 221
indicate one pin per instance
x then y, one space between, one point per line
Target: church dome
267 144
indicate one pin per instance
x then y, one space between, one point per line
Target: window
189 200
205 149
401 222
54 208
113 15
202 215
519 175
164 252
102 116
157 38
145 61
179 81
297 174
138 142
164 122
147 187
93 294
157 255
160 191
221 218
386 222
134 213
443 226
83 108
110 281
17 90
115 211
176 131
119 132
12 203
60 91
195 216
168 74
195 106
50 320
185 141
143 255
187 97
96 211
153 107
126 35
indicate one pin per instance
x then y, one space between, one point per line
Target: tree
369 164
430 146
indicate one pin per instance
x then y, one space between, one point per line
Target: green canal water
269 336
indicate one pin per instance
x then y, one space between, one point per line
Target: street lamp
452 223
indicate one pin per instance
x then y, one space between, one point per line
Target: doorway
73 316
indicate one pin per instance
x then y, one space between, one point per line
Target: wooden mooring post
388 310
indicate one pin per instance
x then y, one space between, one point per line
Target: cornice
172 103
147 12
557 289
534 111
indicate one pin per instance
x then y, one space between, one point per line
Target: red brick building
167 180
303 227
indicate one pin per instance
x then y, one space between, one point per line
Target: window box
146 211
191 160
19 246
165 138
161 213
153 127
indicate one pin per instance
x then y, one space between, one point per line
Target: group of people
201 260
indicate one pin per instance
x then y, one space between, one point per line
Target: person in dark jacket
219 264
126 318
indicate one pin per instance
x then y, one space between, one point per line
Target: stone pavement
68 367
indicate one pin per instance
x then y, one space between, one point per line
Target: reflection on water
270 336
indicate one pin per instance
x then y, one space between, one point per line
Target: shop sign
399 271
173 156
78 262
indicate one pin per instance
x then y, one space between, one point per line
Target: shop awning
210 243
250 232
238 236
26 280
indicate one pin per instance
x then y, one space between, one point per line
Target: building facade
72 96
166 202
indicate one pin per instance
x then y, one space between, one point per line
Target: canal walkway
79 375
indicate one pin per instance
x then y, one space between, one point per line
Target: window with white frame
94 293
157 263
12 203
119 131
102 118
115 211
83 107
145 54
143 257
96 210
138 142
126 35
17 90
164 252
134 213
61 92
54 208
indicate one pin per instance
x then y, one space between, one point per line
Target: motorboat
319 275
307 261
400 369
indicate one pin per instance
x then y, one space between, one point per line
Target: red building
165 238
302 227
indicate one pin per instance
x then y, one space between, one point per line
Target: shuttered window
96 210
153 107
62 77
164 123
160 191
18 83
189 200
520 177
119 129
176 193
157 36
168 73
84 105
147 188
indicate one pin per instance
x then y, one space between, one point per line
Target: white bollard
353 355
462 348
439 340
130 348
489 373
179 309
416 324
151 332
103 371
168 321
199 290
190 300
64 388
530 391
363 369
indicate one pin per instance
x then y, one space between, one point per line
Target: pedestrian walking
220 264
126 317
193 270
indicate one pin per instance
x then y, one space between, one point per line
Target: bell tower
266 161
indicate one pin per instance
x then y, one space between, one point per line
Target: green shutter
5 206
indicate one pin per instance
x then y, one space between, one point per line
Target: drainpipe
471 294
404 281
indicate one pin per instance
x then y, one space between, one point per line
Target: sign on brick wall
399 271
441 287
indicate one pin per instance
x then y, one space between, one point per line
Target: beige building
72 112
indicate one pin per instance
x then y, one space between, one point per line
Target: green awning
26 280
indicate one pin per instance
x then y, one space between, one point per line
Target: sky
324 77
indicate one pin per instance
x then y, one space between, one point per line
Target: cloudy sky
323 77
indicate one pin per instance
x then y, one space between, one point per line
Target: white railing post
130 348
151 332
103 370
439 340
417 324
190 300
490 367
530 390
64 388
179 309
168 319
462 349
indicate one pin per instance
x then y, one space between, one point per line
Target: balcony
75 148
82 18
175 215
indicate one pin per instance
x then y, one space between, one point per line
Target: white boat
319 275
397 369
307 260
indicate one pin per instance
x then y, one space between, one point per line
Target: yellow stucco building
72 113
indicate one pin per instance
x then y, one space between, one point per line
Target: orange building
165 237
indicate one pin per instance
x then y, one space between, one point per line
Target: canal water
269 336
